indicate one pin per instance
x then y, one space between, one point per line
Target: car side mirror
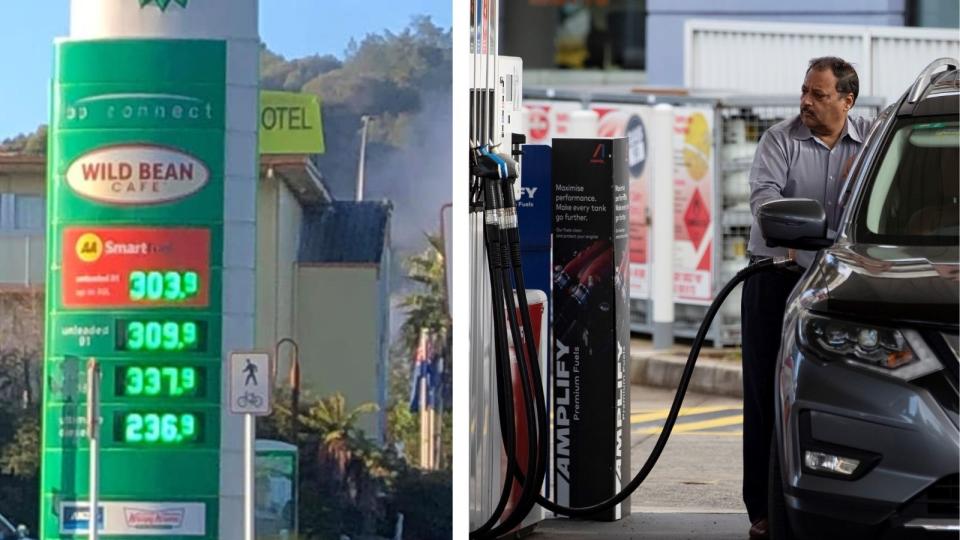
794 223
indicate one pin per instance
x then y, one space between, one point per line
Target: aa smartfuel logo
162 4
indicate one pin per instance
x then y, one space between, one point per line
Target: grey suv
866 442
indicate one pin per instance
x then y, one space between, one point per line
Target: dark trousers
761 311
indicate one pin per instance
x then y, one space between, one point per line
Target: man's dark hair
847 80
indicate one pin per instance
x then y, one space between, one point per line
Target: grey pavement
649 526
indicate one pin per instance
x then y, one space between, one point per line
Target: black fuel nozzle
493 165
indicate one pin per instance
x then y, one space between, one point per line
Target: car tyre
778 522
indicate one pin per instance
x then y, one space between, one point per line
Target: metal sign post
93 435
250 388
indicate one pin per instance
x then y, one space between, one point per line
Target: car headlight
898 352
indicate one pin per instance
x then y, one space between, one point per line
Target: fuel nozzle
489 164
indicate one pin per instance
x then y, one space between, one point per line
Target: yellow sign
89 247
290 123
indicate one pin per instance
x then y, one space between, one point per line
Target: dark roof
344 232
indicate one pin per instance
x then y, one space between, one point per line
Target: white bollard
583 124
661 260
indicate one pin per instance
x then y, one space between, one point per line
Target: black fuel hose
529 369
492 207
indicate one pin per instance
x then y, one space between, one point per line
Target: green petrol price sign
134 280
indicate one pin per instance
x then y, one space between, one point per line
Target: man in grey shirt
804 156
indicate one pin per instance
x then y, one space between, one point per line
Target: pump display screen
160 381
146 335
158 428
135 267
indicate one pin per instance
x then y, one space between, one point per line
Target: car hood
912 284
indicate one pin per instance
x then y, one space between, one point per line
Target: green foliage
26 143
386 76
426 306
425 500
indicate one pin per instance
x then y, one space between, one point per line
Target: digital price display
158 428
160 381
156 285
135 267
147 335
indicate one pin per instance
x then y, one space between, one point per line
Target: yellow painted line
696 426
697 433
661 414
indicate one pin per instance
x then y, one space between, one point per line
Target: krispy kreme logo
163 519
136 174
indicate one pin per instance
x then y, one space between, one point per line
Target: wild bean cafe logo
136 174
163 3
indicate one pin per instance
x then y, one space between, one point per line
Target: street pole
249 435
294 385
93 435
363 153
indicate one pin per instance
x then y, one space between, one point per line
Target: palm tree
425 307
337 427
426 310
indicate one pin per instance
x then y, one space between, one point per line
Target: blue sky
292 28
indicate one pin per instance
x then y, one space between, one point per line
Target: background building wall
22 221
665 19
279 217
340 347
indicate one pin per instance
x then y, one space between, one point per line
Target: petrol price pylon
150 264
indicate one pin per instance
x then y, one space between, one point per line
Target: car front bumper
908 445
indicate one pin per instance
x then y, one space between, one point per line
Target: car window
913 197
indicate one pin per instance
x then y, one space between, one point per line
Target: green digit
153 335
154 384
188 380
135 331
171 336
138 285
172 289
154 285
134 427
168 429
189 334
134 381
152 422
172 374
188 427
191 283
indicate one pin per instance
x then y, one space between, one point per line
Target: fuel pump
511 435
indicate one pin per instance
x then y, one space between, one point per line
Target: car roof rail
923 80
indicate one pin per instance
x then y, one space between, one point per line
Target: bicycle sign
250 383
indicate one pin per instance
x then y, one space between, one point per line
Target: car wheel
778 522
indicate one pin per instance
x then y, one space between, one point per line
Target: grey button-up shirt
792 162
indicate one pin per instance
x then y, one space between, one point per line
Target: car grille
940 500
942 497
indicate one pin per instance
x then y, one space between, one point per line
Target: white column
236 22
583 124
661 260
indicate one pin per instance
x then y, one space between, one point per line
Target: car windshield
913 197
